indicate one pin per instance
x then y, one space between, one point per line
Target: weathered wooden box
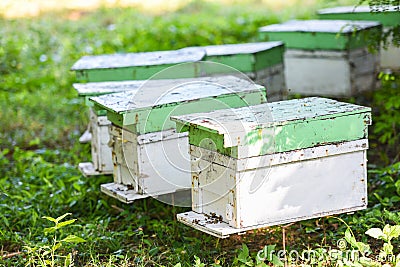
138 66
327 57
262 62
149 157
101 163
250 170
389 16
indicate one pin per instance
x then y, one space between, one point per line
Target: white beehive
101 163
149 157
327 57
306 160
262 62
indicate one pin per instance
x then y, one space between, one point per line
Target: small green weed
385 186
48 254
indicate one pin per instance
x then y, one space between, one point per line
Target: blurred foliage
390 36
37 102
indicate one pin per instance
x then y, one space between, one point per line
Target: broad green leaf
375 233
178 265
269 250
276 261
363 248
63 216
49 230
197 262
350 238
245 250
243 254
56 246
395 198
397 184
50 219
62 224
68 260
391 231
388 248
47 252
73 239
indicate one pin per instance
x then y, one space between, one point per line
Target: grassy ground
41 120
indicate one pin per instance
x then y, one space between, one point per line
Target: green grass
42 118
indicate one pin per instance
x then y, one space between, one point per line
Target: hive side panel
157 119
269 58
364 70
102 75
186 70
297 191
239 62
164 166
273 78
105 163
316 132
326 74
215 189
95 141
125 157
308 40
